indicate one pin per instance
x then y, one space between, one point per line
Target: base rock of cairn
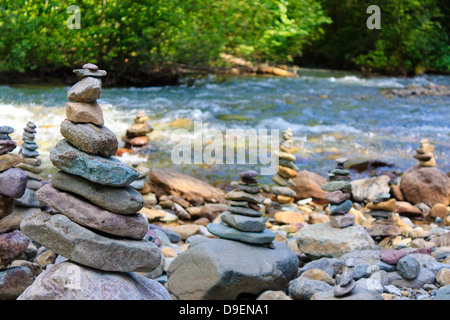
87 230
424 182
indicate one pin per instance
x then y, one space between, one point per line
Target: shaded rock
212 210
406 209
12 221
324 264
105 171
70 281
322 240
90 138
357 294
408 267
66 238
427 185
443 293
425 276
14 281
243 223
28 199
170 182
221 269
6 206
319 275
8 161
304 288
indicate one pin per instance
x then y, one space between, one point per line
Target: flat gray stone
66 238
243 223
87 89
123 200
223 231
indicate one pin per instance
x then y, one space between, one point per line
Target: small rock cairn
424 154
243 221
382 207
136 135
31 164
96 223
345 282
13 182
338 195
286 169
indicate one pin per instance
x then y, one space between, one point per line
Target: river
330 114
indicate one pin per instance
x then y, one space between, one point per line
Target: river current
331 115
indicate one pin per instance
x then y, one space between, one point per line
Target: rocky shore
107 227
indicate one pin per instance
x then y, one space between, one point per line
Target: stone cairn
31 164
338 195
243 221
136 136
13 243
287 168
424 154
96 223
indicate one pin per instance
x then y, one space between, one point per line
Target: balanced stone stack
13 182
136 135
287 168
31 164
424 154
96 223
338 195
243 221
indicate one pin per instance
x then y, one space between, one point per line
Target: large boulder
427 185
365 190
323 241
308 185
70 281
219 269
171 182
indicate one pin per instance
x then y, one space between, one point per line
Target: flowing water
330 114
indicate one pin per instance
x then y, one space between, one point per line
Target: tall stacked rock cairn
136 137
13 243
237 264
243 221
283 194
338 196
424 154
31 164
94 221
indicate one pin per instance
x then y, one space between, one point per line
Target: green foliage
414 35
126 34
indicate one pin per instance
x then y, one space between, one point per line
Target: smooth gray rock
425 276
66 238
222 230
123 200
243 223
357 294
408 267
90 138
443 293
303 288
223 269
87 89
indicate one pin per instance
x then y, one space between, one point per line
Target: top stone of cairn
90 70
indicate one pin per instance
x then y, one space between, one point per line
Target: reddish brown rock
427 185
212 211
391 256
439 210
6 205
171 182
406 209
137 141
12 245
308 185
396 193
